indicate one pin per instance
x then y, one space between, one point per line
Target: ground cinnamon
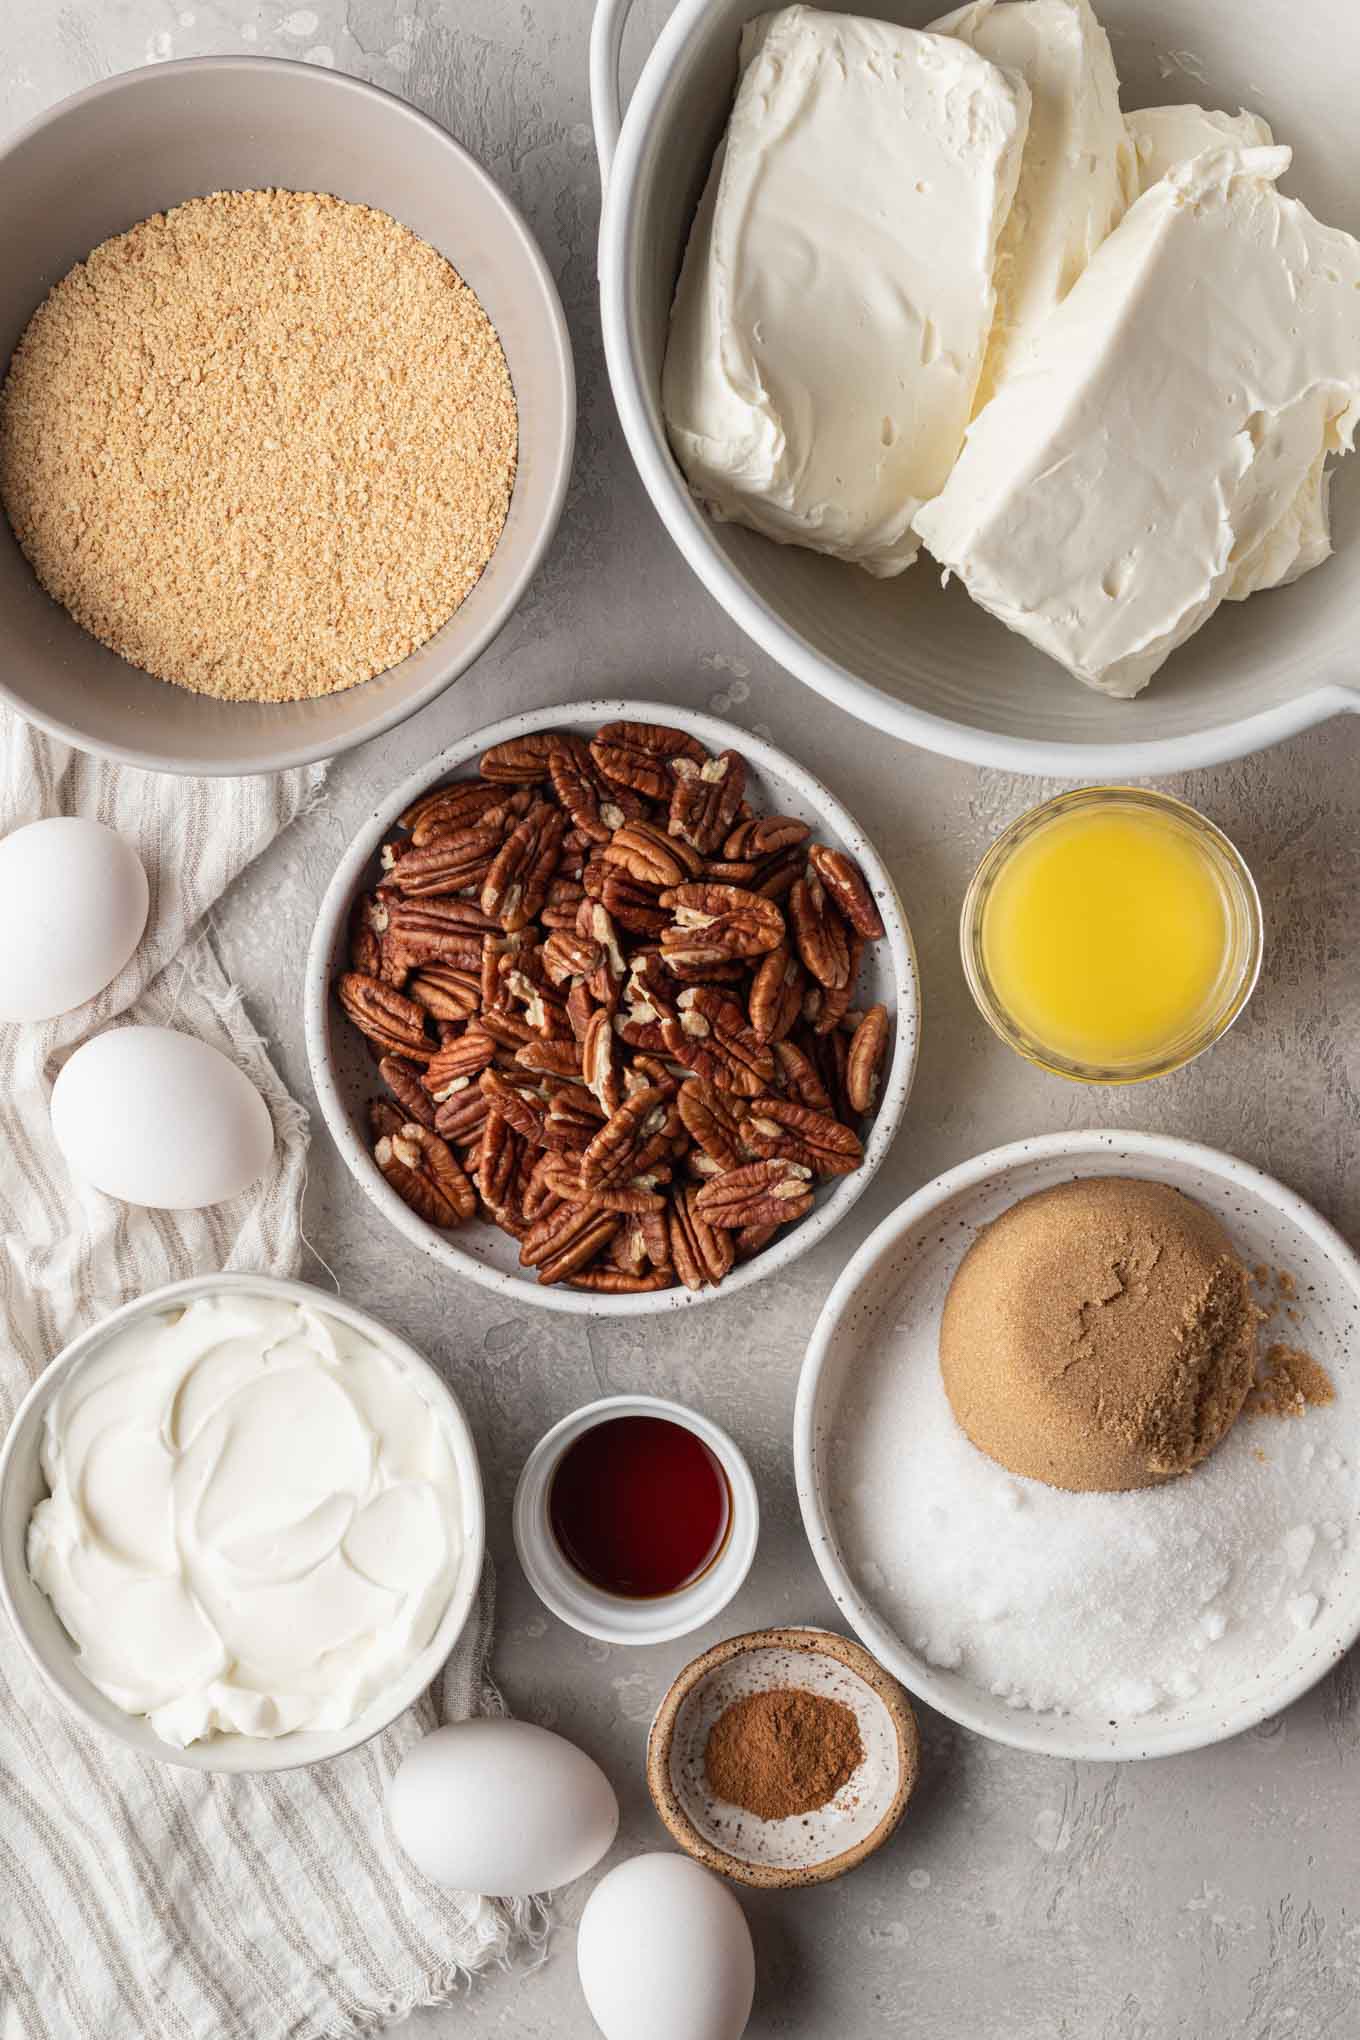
782 1752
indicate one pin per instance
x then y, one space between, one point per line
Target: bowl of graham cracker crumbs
286 417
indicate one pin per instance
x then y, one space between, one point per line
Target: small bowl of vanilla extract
636 1520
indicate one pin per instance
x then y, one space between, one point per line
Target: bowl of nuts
612 1007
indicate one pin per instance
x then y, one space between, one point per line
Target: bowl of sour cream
241 1524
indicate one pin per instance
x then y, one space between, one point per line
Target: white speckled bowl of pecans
345 1075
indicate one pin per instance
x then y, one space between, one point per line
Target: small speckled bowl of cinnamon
784 1757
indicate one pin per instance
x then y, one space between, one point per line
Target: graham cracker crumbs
261 445
1289 1383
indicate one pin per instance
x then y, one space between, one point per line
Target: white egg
157 1117
75 906
664 1953
501 1807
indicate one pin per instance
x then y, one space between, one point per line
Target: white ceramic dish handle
606 97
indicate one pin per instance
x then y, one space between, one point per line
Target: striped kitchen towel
139 1901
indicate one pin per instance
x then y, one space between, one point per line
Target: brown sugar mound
1099 1335
261 445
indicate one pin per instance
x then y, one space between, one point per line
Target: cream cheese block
1078 175
1165 137
836 296
1166 420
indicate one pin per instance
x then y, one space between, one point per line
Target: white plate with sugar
1084 1625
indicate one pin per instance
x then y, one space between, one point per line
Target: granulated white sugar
1104 1605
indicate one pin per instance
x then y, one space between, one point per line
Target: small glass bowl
1242 958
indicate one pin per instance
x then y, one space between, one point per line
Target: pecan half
499 1153
523 1105
640 755
520 761
865 1058
384 1016
631 1198
597 805
573 1119
424 1173
776 996
567 1241
427 930
600 1071
700 1253
633 906
458 1062
820 934
624 1144
777 876
446 993
550 1058
718 924
593 920
448 863
824 1009
517 882
760 836
799 1076
568 956
758 1193
368 923
580 1008
450 808
405 1080
711 1036
461 1118
705 799
781 1129
384 1117
648 856
848 887
831 1053
713 1120
614 1281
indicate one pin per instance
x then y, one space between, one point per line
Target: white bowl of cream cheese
905 654
241 1524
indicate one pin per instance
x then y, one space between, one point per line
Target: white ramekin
904 655
610 1617
344 1075
900 1276
39 1629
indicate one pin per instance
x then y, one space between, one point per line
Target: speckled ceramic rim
611 1618
51 1650
1128 1743
1242 905
809 1643
332 925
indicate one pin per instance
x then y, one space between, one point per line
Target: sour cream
254 1519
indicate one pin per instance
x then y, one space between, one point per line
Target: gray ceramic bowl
99 162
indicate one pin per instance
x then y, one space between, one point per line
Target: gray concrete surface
1195 1899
